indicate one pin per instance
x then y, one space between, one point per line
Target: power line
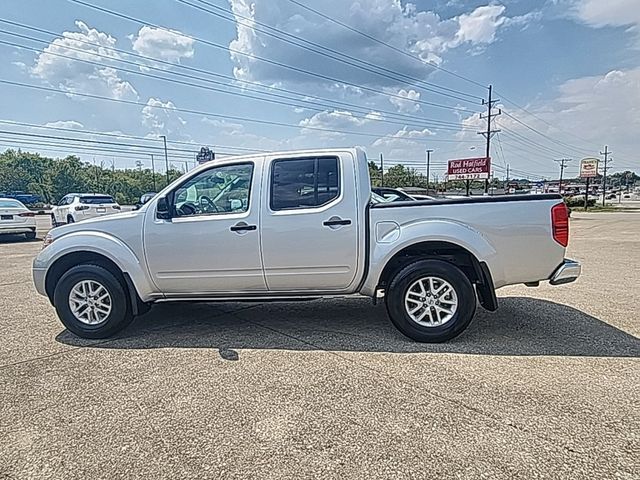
122 135
562 144
542 119
428 123
232 79
189 84
398 50
235 16
238 52
218 115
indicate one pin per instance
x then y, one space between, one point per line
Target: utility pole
489 133
166 157
506 183
153 173
429 150
381 171
606 154
563 163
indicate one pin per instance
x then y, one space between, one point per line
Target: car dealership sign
469 168
588 167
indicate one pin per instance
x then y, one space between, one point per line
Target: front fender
394 240
103 244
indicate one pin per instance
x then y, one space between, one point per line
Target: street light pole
166 157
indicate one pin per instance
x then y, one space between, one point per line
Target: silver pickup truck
302 225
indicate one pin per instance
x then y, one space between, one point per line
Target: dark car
144 199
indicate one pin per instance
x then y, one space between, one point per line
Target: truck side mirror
163 211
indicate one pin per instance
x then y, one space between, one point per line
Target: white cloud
73 76
406 104
167 45
403 138
338 120
600 13
222 126
421 33
65 124
161 118
479 26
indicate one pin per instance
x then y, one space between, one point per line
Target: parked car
301 225
144 199
16 218
418 196
75 207
392 194
24 198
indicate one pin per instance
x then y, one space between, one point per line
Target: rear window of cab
95 200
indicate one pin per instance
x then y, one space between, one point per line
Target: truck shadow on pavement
521 326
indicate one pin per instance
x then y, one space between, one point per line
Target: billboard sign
588 167
469 168
205 155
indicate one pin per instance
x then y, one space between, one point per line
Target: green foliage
578 201
52 179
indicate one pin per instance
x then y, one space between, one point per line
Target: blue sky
574 65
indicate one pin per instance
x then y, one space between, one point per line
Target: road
547 387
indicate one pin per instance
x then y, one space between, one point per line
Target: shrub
578 201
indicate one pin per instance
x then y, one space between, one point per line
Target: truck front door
211 245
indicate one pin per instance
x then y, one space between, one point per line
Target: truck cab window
304 183
219 190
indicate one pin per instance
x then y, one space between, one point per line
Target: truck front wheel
91 302
431 301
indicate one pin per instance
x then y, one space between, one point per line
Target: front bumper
39 275
568 272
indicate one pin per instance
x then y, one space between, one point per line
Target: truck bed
510 233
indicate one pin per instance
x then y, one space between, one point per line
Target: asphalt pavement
546 387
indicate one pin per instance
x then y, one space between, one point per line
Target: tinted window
95 199
223 189
302 183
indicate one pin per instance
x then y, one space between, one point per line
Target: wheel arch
475 270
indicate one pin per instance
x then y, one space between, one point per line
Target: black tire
120 315
402 281
30 235
54 223
70 219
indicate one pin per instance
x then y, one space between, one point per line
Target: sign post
588 170
205 155
469 169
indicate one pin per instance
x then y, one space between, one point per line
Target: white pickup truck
302 225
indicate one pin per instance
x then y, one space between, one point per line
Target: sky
105 79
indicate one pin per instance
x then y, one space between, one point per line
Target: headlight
48 240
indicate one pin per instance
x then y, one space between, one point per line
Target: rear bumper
15 229
568 272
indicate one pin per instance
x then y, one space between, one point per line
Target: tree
52 179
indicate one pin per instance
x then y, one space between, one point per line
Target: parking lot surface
546 387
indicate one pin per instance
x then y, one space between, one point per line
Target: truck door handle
333 221
242 227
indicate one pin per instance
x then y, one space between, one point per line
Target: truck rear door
310 223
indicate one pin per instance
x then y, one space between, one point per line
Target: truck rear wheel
431 301
91 302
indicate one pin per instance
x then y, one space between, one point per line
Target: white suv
81 206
